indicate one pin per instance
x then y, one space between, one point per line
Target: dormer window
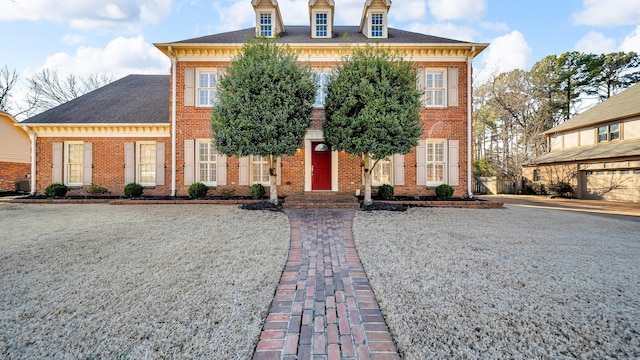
321 25
377 25
266 25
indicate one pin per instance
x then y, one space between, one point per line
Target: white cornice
99 130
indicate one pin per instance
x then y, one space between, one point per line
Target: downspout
173 122
469 122
32 181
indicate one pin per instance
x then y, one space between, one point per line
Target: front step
321 201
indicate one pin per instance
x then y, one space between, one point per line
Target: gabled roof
134 99
367 5
301 35
618 149
623 105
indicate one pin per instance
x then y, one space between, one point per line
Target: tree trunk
367 180
273 179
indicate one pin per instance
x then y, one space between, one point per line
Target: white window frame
262 27
211 164
430 91
210 100
432 163
321 77
68 164
317 25
375 171
264 169
140 164
375 25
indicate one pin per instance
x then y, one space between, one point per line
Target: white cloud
232 16
632 42
506 53
595 43
458 9
608 13
408 10
120 57
89 14
73 39
294 12
349 12
446 30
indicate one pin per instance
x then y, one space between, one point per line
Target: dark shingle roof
302 35
134 99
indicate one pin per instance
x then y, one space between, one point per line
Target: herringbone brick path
324 307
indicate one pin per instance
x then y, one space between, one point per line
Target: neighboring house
181 120
14 154
598 151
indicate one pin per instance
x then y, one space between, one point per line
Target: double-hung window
377 25
436 162
73 162
259 170
146 163
435 81
537 176
609 132
322 25
207 162
322 81
207 80
266 25
381 174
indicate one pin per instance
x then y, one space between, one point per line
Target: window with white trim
377 25
322 81
207 82
435 87
146 163
436 162
266 25
381 174
206 162
73 162
609 132
259 170
322 25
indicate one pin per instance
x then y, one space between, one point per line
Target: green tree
616 72
264 105
372 108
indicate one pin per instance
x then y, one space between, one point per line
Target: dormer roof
264 6
321 16
381 6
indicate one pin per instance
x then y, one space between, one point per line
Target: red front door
320 167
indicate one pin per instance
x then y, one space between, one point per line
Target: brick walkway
324 307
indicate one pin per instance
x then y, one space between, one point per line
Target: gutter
174 60
469 123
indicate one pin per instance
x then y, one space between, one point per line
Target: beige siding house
597 151
14 153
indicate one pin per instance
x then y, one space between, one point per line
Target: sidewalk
592 206
324 307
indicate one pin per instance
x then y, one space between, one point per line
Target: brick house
14 154
167 154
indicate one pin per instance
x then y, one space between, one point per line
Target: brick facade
11 173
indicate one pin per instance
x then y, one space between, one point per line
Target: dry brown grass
513 283
101 281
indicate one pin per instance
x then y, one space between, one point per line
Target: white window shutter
279 171
221 170
398 169
189 87
56 165
421 163
87 163
159 163
189 161
243 171
420 85
129 163
454 173
452 79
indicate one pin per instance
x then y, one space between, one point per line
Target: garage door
613 185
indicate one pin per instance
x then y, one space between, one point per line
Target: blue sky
115 37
